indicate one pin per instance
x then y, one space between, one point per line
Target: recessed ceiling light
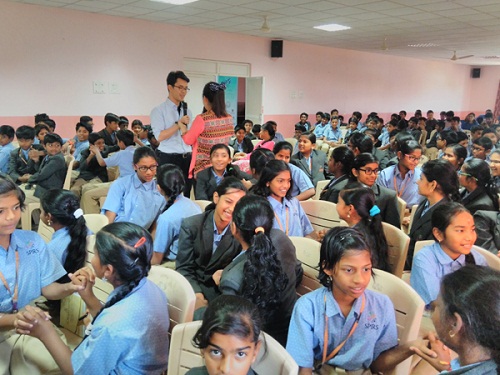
175 2
423 45
332 27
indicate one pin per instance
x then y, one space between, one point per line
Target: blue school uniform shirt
319 130
124 160
407 188
168 225
38 268
59 243
298 223
134 201
430 265
130 337
385 137
5 157
301 182
376 331
79 147
332 135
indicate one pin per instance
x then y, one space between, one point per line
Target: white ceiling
471 27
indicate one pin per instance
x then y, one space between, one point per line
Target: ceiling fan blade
465 57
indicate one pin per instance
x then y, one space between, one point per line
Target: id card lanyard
14 295
341 345
286 222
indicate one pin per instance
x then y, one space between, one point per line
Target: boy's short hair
111 117
25 132
53 138
174 76
40 127
476 128
83 125
456 119
126 136
8 131
238 128
94 137
86 119
449 136
40 117
123 120
484 142
137 122
256 128
461 136
50 123
301 128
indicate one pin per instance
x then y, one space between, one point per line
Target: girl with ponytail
171 185
454 231
261 273
438 184
61 211
116 341
357 207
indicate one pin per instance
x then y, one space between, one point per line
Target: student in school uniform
129 334
109 132
171 185
206 243
311 161
361 326
135 198
51 171
339 165
6 137
21 165
241 143
27 271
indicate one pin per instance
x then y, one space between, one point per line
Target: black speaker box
475 72
276 48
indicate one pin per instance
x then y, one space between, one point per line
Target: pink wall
49 66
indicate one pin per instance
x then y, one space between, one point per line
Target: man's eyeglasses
182 88
143 168
414 158
369 171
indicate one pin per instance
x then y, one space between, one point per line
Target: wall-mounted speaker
276 48
475 72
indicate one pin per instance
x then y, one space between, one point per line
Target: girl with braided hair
116 342
171 185
263 272
61 211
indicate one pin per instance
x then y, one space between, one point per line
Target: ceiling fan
265 27
455 58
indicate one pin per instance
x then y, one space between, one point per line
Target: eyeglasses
461 173
414 158
182 88
143 168
369 171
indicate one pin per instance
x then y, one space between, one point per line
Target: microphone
184 108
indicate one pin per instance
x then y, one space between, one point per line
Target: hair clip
343 237
78 213
374 210
140 242
219 86
259 230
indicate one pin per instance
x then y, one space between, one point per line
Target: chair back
255 141
45 231
419 245
292 141
95 222
492 260
202 203
179 292
401 208
398 243
409 308
272 358
101 288
70 160
319 188
412 216
307 251
322 214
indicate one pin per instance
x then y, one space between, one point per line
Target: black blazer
19 165
205 182
50 174
247 145
232 283
387 201
478 200
111 146
92 169
195 260
319 165
332 190
382 156
421 228
203 371
488 230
